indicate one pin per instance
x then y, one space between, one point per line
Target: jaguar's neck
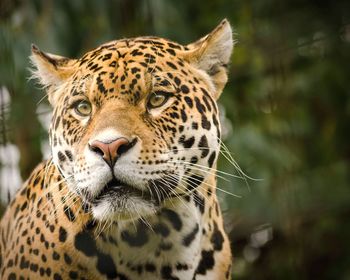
174 236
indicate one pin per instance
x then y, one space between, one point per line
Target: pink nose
111 151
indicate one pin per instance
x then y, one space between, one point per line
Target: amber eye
157 99
83 108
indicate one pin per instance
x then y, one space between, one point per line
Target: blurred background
285 110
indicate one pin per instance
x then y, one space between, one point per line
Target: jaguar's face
135 121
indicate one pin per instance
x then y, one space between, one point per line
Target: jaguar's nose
111 151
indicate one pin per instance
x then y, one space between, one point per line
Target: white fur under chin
132 209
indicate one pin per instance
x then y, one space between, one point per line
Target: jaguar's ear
212 54
50 70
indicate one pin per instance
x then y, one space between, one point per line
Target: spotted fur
129 192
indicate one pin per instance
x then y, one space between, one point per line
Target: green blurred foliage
287 113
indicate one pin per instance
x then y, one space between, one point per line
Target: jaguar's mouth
118 192
117 189
120 200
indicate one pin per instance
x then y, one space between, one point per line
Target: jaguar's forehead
143 44
143 50
130 68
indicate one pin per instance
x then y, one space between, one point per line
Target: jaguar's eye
157 99
83 108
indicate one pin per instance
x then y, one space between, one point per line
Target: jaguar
130 189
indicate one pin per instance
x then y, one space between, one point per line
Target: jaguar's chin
123 209
120 201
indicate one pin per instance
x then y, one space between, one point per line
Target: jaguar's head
135 121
